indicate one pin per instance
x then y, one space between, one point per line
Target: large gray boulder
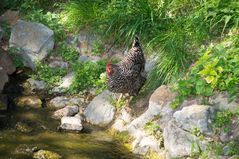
159 104
100 111
195 116
179 143
3 78
35 41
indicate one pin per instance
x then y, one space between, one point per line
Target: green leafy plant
68 53
233 148
51 76
217 69
101 83
87 75
97 48
7 29
223 119
151 127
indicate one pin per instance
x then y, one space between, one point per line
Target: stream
92 143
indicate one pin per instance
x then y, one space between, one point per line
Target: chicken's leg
119 99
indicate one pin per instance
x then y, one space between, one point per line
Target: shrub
51 76
217 69
87 75
7 30
68 53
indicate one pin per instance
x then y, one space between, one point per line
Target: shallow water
94 143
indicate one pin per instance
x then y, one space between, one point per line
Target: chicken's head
109 68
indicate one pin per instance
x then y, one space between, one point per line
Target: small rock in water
30 101
45 154
62 101
67 111
25 149
71 124
23 127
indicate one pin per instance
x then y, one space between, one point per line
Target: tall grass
173 29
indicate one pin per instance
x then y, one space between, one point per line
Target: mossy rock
45 154
30 101
23 127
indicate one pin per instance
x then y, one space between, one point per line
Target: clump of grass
122 137
154 155
223 119
81 14
118 104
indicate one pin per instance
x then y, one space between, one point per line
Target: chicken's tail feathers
136 42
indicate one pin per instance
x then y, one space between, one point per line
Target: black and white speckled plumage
129 75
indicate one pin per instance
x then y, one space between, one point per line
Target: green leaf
210 79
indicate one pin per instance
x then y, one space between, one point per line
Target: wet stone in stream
29 101
23 127
45 154
25 149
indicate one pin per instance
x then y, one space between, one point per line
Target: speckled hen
129 75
